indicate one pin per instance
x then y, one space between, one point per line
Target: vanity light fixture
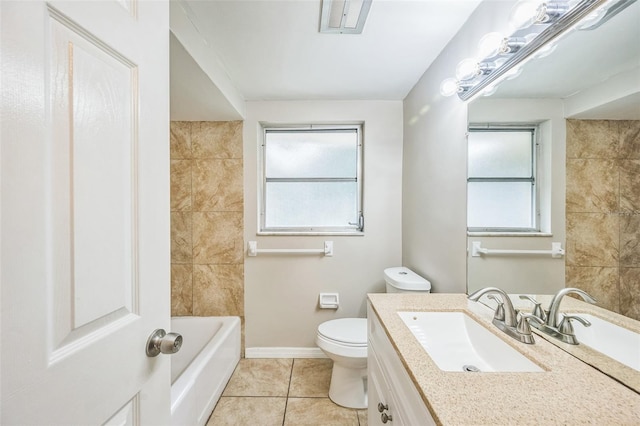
538 24
550 11
343 16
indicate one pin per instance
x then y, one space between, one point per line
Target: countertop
569 391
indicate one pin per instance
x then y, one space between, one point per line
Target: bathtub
201 369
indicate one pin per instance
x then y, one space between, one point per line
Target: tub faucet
559 325
505 317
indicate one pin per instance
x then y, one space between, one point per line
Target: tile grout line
286 401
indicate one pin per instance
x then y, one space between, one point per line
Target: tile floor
282 392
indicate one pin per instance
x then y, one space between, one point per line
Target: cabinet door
380 393
398 390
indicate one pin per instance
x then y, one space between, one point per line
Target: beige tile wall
603 212
207 249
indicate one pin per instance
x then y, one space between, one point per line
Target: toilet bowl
344 341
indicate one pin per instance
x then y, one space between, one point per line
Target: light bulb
523 14
467 69
449 87
489 45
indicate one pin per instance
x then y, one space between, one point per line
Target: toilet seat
345 331
346 337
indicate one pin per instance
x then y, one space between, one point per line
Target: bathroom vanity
392 395
407 387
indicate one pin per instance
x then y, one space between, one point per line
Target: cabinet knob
382 407
385 418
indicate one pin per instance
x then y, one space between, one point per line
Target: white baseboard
284 353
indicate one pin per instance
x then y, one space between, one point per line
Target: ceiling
272 49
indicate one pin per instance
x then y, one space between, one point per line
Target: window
501 183
312 180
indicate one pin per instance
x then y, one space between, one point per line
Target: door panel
85 202
93 165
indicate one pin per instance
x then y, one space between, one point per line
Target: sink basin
456 342
612 340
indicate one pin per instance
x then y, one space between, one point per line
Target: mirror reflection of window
501 179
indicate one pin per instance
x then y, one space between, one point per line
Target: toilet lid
352 331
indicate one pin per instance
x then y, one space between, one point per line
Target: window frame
351 229
535 192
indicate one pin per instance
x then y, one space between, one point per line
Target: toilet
345 342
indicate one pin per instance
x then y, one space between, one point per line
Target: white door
84 211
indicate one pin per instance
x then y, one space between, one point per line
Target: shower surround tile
603 250
217 185
216 139
630 240
180 185
630 292
630 186
181 237
181 289
218 290
630 139
587 195
217 237
180 139
592 239
207 250
592 139
599 282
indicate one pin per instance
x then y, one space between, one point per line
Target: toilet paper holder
329 300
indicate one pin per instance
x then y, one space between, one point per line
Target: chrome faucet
554 306
559 325
505 317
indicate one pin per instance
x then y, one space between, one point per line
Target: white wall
435 158
281 292
522 274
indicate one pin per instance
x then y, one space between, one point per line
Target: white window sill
311 234
509 234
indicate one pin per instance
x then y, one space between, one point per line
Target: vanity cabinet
393 398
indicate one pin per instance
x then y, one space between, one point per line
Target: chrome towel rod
477 250
253 250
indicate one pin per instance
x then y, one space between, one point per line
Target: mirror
584 95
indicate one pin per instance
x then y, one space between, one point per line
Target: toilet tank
403 280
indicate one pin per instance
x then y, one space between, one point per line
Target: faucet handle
537 309
499 315
523 326
565 326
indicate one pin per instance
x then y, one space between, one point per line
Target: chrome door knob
162 342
